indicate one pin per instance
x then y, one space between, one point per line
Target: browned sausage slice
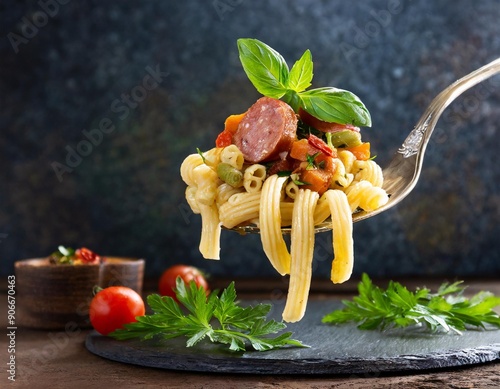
268 128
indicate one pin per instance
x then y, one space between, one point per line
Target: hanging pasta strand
302 250
343 245
270 224
210 232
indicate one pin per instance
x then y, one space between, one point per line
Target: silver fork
403 171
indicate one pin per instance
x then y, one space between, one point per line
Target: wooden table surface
59 359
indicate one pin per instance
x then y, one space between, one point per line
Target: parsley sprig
396 306
269 73
219 319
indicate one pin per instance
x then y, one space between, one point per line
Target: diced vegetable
230 174
361 152
232 122
225 138
301 149
346 138
318 178
315 179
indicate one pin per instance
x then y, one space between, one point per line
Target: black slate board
333 350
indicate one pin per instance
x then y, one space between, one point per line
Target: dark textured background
126 197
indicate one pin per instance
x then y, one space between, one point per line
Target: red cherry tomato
224 139
86 255
187 273
113 307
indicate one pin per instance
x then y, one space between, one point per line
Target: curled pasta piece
224 192
187 167
270 224
191 198
212 157
254 177
239 208
291 189
364 195
347 159
232 156
340 179
343 244
302 249
206 180
368 171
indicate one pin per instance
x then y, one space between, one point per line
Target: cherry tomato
113 307
225 138
87 256
187 273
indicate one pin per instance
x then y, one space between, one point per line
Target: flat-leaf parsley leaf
396 306
219 319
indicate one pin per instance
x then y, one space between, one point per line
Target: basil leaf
301 74
292 98
264 66
335 105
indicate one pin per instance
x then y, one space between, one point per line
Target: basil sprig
269 73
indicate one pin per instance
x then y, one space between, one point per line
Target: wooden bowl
58 296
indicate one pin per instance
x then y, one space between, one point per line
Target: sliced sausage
268 128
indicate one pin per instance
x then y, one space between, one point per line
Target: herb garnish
62 255
396 306
69 256
269 73
220 319
200 153
311 162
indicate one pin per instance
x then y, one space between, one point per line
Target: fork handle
418 138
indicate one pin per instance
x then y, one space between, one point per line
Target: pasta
342 236
224 192
232 156
364 195
368 171
302 249
254 177
206 182
270 224
239 208
210 232
187 167
341 179
312 184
